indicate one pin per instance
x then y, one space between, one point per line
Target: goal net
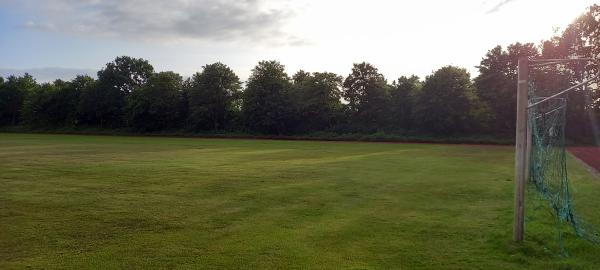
548 157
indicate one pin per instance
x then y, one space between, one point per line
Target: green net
548 162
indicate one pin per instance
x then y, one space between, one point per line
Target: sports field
78 202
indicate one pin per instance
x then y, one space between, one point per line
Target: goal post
524 132
521 149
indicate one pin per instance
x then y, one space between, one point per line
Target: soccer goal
540 154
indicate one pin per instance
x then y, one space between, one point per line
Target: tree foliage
403 95
581 38
497 80
267 105
13 93
125 74
101 107
367 93
214 96
103 103
155 105
54 104
318 100
38 105
129 94
446 102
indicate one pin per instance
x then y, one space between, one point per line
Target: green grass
74 202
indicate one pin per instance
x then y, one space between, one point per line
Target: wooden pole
521 150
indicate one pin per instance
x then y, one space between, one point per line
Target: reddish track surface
589 155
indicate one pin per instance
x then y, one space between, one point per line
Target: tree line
129 93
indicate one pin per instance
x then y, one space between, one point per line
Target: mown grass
78 202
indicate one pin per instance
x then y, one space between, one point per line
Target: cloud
48 74
497 7
157 20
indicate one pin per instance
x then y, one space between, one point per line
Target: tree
12 95
583 112
125 74
213 97
445 104
63 99
36 105
579 39
300 77
318 99
367 93
589 26
100 106
103 103
52 104
72 97
402 99
267 106
497 80
155 106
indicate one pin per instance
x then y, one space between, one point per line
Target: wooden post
521 150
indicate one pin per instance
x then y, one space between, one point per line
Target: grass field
78 202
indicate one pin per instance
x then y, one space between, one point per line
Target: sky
62 38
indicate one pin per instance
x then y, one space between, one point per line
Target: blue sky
63 37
